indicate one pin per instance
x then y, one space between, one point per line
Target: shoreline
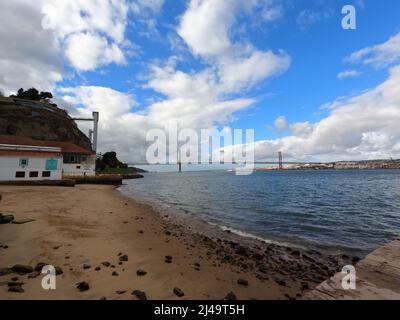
78 228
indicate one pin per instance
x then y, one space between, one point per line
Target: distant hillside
39 120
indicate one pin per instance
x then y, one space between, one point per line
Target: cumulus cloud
281 123
381 55
236 74
30 58
37 36
124 129
205 27
359 127
87 51
91 32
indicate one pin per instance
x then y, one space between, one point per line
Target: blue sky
317 52
149 46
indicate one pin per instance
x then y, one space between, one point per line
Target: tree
44 95
33 94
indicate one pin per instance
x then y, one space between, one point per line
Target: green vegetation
33 94
117 171
108 163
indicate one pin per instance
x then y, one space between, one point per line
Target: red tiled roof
27 153
66 147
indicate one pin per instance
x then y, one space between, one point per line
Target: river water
346 211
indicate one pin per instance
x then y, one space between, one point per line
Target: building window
51 165
78 167
20 174
71 158
33 174
46 174
23 162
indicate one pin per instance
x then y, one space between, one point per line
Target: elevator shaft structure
92 132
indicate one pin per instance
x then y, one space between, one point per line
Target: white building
25 163
25 159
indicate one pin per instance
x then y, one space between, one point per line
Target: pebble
83 286
178 292
59 271
40 266
106 264
123 258
280 281
19 268
115 274
230 296
243 282
305 286
141 273
17 289
86 266
140 295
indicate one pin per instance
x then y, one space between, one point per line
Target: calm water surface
350 211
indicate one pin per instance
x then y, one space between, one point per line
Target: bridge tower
280 160
179 161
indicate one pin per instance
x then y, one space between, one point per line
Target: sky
285 68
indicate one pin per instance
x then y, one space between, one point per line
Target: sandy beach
87 230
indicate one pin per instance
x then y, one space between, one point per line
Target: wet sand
77 229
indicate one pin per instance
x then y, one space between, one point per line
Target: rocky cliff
40 121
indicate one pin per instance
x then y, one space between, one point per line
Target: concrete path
378 278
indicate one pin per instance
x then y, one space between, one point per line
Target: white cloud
281 123
36 36
348 74
139 6
68 17
29 55
91 32
87 52
308 17
379 56
196 100
123 129
206 26
359 127
236 74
